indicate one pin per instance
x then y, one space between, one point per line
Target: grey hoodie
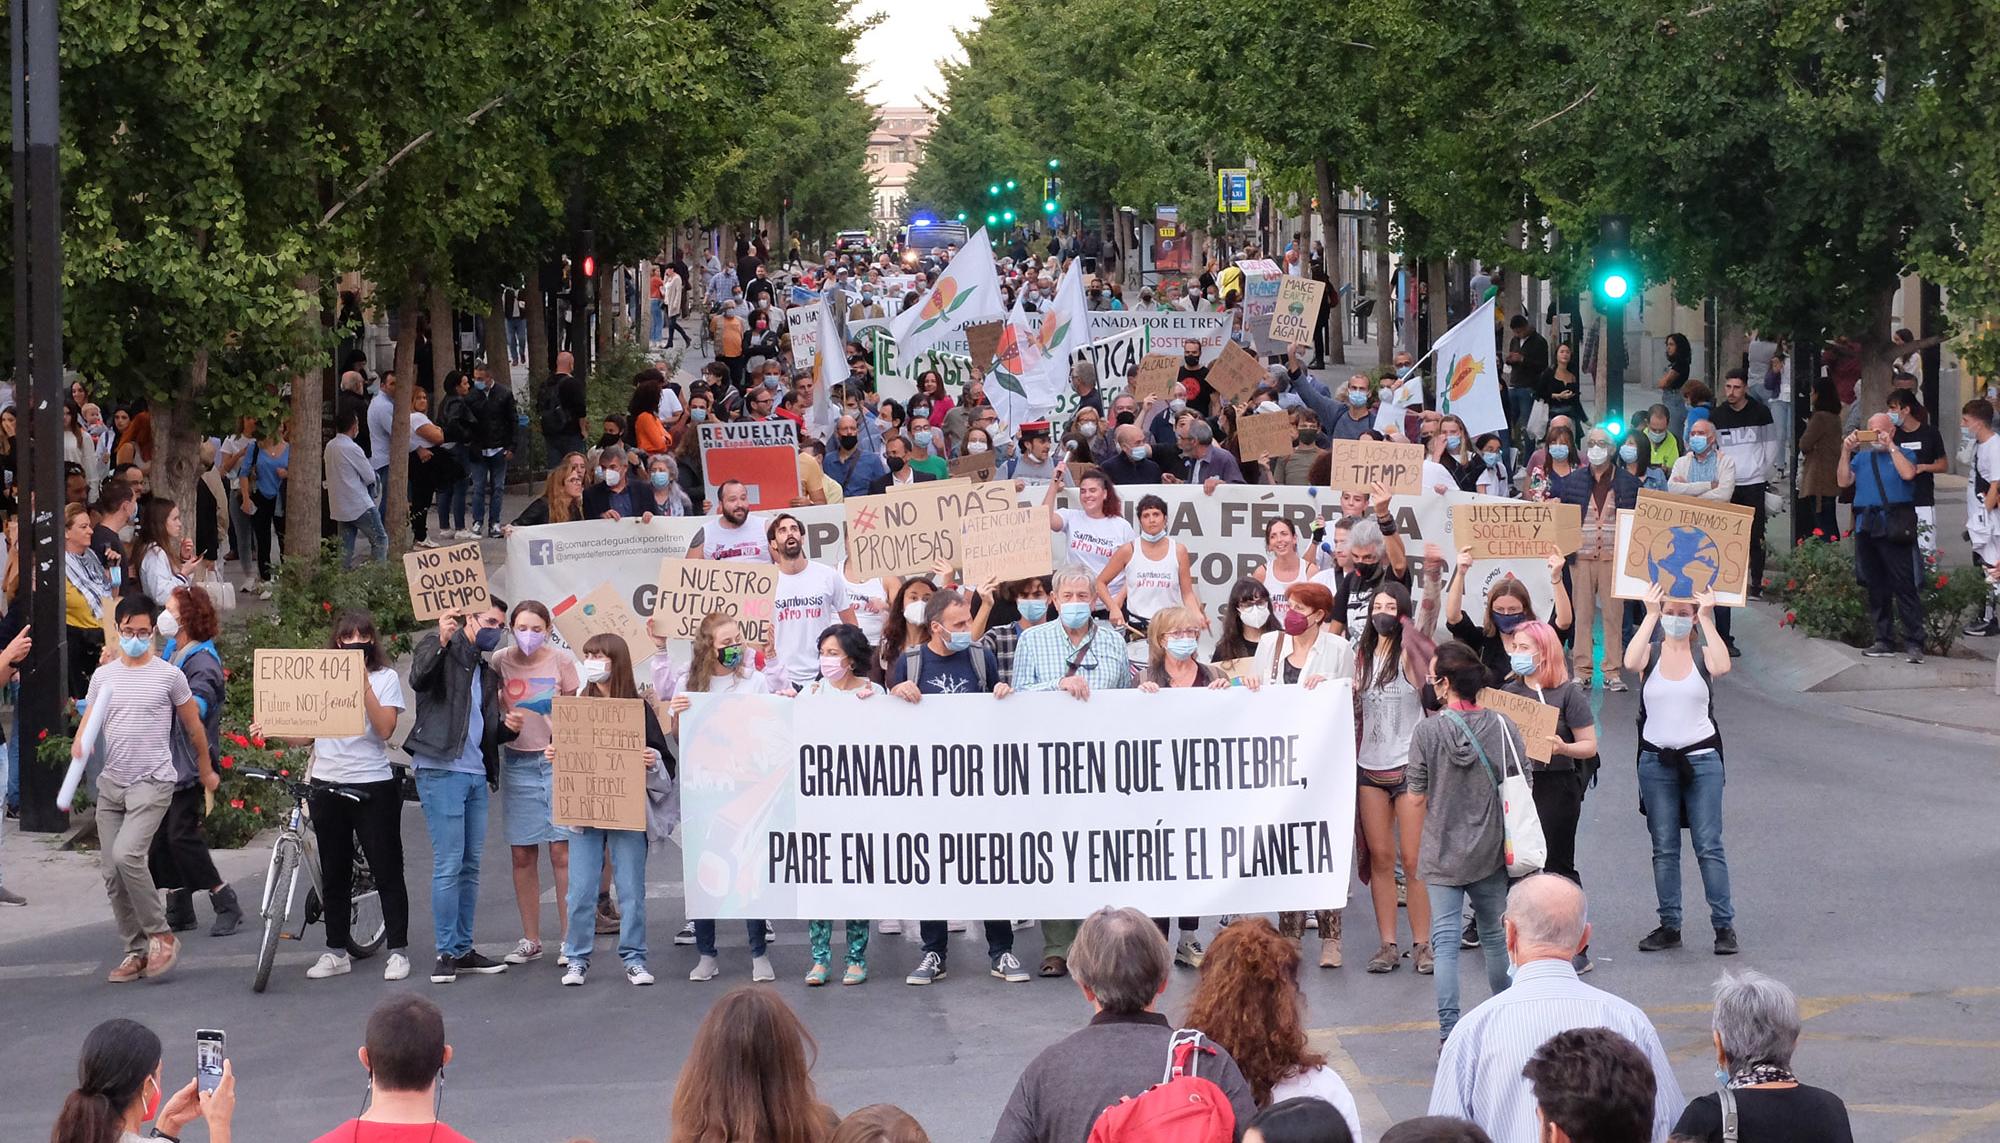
1464 834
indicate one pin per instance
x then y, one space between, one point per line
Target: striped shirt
1479 1074
138 718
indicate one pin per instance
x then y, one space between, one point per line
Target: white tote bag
1526 848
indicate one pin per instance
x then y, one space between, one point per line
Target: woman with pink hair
1540 671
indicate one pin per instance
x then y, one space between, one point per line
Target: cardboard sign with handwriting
984 339
309 694
974 466
1357 465
1264 434
1535 720
446 581
1297 310
906 531
1236 374
1690 545
602 612
1517 529
599 767
1006 545
690 589
1159 376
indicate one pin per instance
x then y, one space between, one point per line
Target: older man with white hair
1479 1072
1121 963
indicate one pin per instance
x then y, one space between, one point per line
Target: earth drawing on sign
1684 560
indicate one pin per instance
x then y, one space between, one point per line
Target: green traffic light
992 219
994 189
1007 215
1054 164
961 216
1010 184
1049 207
1614 285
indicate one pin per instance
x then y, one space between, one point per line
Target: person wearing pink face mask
1304 652
843 677
532 672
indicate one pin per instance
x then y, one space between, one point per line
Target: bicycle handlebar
300 789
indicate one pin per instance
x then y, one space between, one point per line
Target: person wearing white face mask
1599 489
903 625
843 663
607 674
1155 573
1680 759
611 496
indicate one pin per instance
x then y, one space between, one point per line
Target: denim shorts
1394 783
526 794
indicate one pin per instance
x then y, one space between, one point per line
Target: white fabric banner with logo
1033 805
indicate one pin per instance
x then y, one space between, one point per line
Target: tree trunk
497 361
305 474
396 502
444 342
1434 273
607 312
1385 297
1329 221
177 448
1878 353
534 310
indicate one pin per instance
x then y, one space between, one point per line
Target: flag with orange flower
1032 363
966 293
1468 373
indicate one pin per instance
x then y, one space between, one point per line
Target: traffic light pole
38 384
1614 368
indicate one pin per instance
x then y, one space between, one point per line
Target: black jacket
443 679
878 487
342 402
493 418
457 420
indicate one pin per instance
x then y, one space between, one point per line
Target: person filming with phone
121 1086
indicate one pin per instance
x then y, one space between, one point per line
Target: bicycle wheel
367 929
283 890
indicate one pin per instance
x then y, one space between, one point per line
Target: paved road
1861 850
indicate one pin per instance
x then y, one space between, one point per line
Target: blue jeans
1677 411
587 847
369 525
451 499
1489 901
517 339
1666 799
657 323
455 814
1520 407
704 937
488 486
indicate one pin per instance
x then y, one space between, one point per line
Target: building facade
894 151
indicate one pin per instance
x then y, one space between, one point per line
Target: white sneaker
760 969
469 534
398 967
333 964
577 971
637 974
890 928
562 960
686 935
704 969
525 950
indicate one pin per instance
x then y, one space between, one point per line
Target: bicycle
296 854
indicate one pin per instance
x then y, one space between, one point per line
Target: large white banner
1224 532
1033 805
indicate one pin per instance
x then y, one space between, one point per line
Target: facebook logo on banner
541 552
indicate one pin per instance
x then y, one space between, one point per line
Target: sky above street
899 57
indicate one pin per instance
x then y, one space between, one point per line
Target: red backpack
1182 1108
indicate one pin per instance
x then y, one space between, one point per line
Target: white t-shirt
364 757
806 603
381 417
1324 1083
670 406
744 544
1092 541
417 421
859 594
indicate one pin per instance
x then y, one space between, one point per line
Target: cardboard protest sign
446 581
1264 434
310 694
1236 374
1535 720
1006 546
599 767
983 338
1297 310
690 589
973 466
906 531
603 611
764 455
1158 377
1690 545
1517 529
1357 465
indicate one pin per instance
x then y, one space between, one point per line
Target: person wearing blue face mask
1030 600
1132 463
1599 489
661 495
454 748
1508 605
1152 572
950 664
927 449
1680 759
1706 471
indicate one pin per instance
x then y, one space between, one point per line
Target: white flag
1031 365
829 369
966 293
1468 373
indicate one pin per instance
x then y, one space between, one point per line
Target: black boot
180 910
228 914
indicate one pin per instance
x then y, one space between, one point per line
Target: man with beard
732 534
810 598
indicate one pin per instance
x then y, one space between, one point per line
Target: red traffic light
590 265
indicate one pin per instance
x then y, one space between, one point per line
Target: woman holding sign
1094 531
532 673
1680 758
1535 654
607 674
722 662
843 676
360 765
